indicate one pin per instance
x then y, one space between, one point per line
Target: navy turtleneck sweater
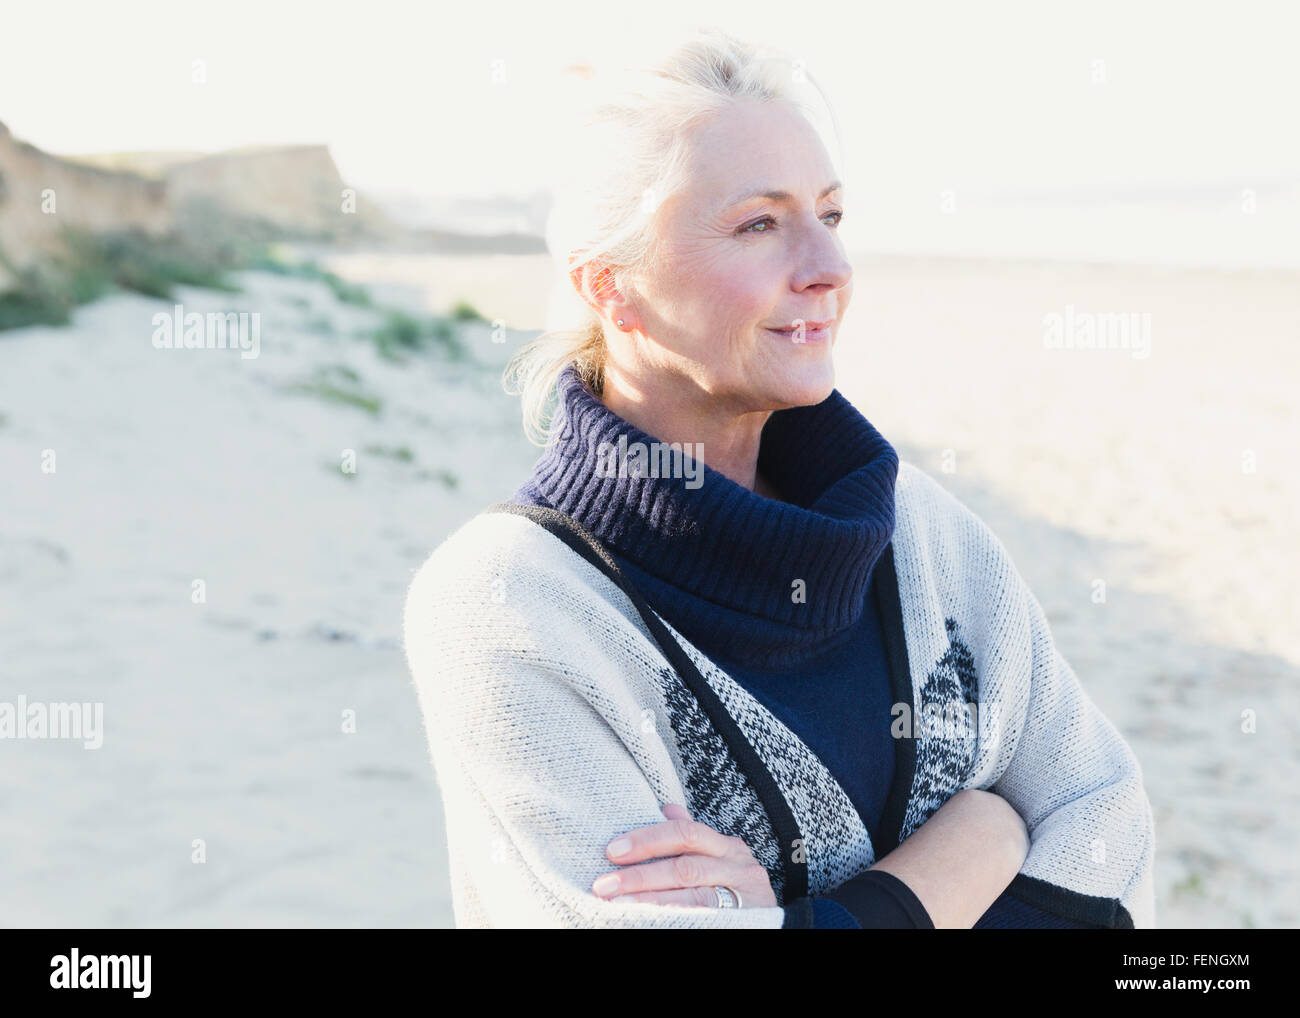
775 592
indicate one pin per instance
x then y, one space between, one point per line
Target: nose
820 259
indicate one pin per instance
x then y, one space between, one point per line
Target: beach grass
338 383
91 265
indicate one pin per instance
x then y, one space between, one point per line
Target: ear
596 285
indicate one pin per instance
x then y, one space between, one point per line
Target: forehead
753 146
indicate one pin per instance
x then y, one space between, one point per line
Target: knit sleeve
874 900
1067 771
1010 913
539 747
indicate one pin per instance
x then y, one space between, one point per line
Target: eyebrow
782 196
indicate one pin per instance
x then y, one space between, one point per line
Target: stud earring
620 321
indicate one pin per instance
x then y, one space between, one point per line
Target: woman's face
749 248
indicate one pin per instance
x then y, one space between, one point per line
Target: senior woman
722 661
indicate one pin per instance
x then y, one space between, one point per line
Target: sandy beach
271 730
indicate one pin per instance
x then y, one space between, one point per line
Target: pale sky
995 102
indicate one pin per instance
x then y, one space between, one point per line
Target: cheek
734 291
740 302
718 284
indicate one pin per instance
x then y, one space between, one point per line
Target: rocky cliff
290 191
40 192
295 190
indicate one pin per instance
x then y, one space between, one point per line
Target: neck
729 441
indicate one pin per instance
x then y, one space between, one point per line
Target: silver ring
727 898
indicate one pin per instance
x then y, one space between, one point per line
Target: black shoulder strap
586 544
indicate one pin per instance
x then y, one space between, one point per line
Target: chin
807 384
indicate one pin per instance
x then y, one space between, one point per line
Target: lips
808 326
807 335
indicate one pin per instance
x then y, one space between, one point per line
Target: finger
675 812
695 897
672 837
682 871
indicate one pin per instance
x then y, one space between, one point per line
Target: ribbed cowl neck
719 561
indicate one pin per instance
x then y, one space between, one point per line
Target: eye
768 219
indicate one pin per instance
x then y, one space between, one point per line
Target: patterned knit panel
720 794
835 840
944 729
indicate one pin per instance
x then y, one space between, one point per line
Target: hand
690 857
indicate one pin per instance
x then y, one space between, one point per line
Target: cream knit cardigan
555 723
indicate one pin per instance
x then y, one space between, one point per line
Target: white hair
625 156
